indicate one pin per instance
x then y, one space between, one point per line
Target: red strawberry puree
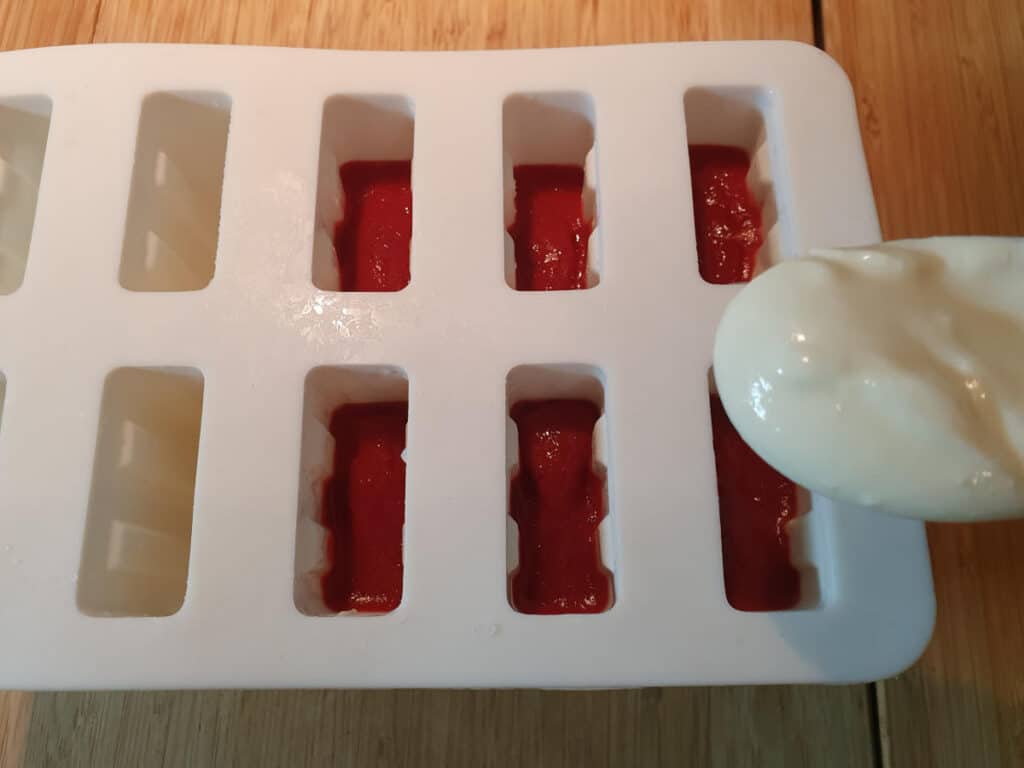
726 215
549 230
364 508
372 239
754 503
557 501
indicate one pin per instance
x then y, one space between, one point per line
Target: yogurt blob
888 377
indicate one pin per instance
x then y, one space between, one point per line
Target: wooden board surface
940 88
451 24
28 24
771 726
698 727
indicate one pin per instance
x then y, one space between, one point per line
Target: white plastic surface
93 300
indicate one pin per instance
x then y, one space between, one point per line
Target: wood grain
939 89
435 24
699 727
938 86
35 23
251 22
531 23
15 711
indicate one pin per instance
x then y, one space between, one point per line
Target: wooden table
939 85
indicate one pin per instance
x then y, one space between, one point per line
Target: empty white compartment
744 117
571 381
138 529
170 238
367 128
327 388
24 127
551 129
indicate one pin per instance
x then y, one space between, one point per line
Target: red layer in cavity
557 501
755 503
372 239
727 217
549 230
364 508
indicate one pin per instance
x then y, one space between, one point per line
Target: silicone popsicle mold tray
173 339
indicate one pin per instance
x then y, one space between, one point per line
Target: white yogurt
890 376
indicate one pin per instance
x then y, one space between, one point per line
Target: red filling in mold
557 501
364 508
755 503
372 240
726 215
549 230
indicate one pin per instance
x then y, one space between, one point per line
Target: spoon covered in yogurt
889 376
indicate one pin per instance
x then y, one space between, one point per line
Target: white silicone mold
171 319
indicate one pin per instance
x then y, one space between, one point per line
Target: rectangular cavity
550 182
730 132
24 128
171 232
138 529
364 194
767 546
351 507
559 554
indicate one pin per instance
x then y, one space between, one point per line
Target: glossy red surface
364 508
557 501
754 504
726 215
372 238
549 230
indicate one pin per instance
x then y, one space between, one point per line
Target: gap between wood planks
818 19
876 692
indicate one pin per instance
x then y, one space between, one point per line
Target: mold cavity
138 530
170 239
364 194
560 541
550 180
348 551
734 201
768 539
24 127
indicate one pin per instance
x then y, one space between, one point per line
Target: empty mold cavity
730 136
560 540
138 529
170 239
769 540
24 127
351 507
550 181
364 194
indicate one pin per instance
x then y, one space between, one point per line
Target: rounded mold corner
904 656
917 646
819 61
